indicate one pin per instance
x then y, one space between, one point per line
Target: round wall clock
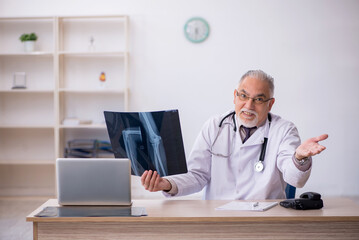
196 30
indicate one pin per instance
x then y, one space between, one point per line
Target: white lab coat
234 177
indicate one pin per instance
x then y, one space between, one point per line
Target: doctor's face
252 102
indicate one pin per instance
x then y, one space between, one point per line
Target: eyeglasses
256 100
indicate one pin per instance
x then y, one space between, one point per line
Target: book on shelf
75 121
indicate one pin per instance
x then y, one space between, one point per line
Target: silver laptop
93 181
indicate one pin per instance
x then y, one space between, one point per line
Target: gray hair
259 74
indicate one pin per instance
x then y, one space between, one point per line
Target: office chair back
290 191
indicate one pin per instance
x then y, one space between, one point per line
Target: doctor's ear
234 96
271 102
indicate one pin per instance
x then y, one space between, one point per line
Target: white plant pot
29 46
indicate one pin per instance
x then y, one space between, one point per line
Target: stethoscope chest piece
258 167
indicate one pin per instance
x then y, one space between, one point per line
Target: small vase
29 46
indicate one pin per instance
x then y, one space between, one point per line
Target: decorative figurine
102 79
91 45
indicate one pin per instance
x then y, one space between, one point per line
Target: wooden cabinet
62 83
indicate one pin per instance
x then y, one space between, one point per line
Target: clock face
196 30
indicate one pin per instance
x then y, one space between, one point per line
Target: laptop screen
151 140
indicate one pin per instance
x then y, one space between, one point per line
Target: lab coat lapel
256 138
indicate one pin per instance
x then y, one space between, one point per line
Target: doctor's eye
242 96
259 100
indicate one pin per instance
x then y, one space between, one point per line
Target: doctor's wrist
301 160
168 185
173 189
304 164
299 157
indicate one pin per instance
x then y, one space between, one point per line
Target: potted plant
29 41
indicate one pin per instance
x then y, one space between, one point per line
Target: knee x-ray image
151 140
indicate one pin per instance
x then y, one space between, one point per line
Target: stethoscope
258 166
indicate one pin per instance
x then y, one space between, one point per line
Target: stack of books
88 148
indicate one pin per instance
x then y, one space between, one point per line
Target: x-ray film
151 140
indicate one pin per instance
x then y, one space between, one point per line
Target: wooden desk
196 219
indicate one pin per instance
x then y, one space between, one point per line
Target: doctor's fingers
318 149
320 138
143 177
151 186
313 150
146 178
157 186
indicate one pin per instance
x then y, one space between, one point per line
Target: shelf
20 19
83 34
93 54
28 110
84 126
12 28
115 17
26 91
104 91
62 82
21 54
26 127
39 70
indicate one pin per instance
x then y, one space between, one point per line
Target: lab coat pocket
222 173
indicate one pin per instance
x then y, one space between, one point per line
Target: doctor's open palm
310 147
152 182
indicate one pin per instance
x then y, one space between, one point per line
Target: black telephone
307 200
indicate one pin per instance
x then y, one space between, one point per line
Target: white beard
248 124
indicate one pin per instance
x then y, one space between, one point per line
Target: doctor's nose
249 104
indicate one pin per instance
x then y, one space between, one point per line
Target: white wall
311 48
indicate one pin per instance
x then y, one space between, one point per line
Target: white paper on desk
247 206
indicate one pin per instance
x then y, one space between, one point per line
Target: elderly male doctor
226 155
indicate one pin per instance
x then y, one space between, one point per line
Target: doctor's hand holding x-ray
248 153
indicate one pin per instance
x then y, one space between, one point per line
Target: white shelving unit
62 82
